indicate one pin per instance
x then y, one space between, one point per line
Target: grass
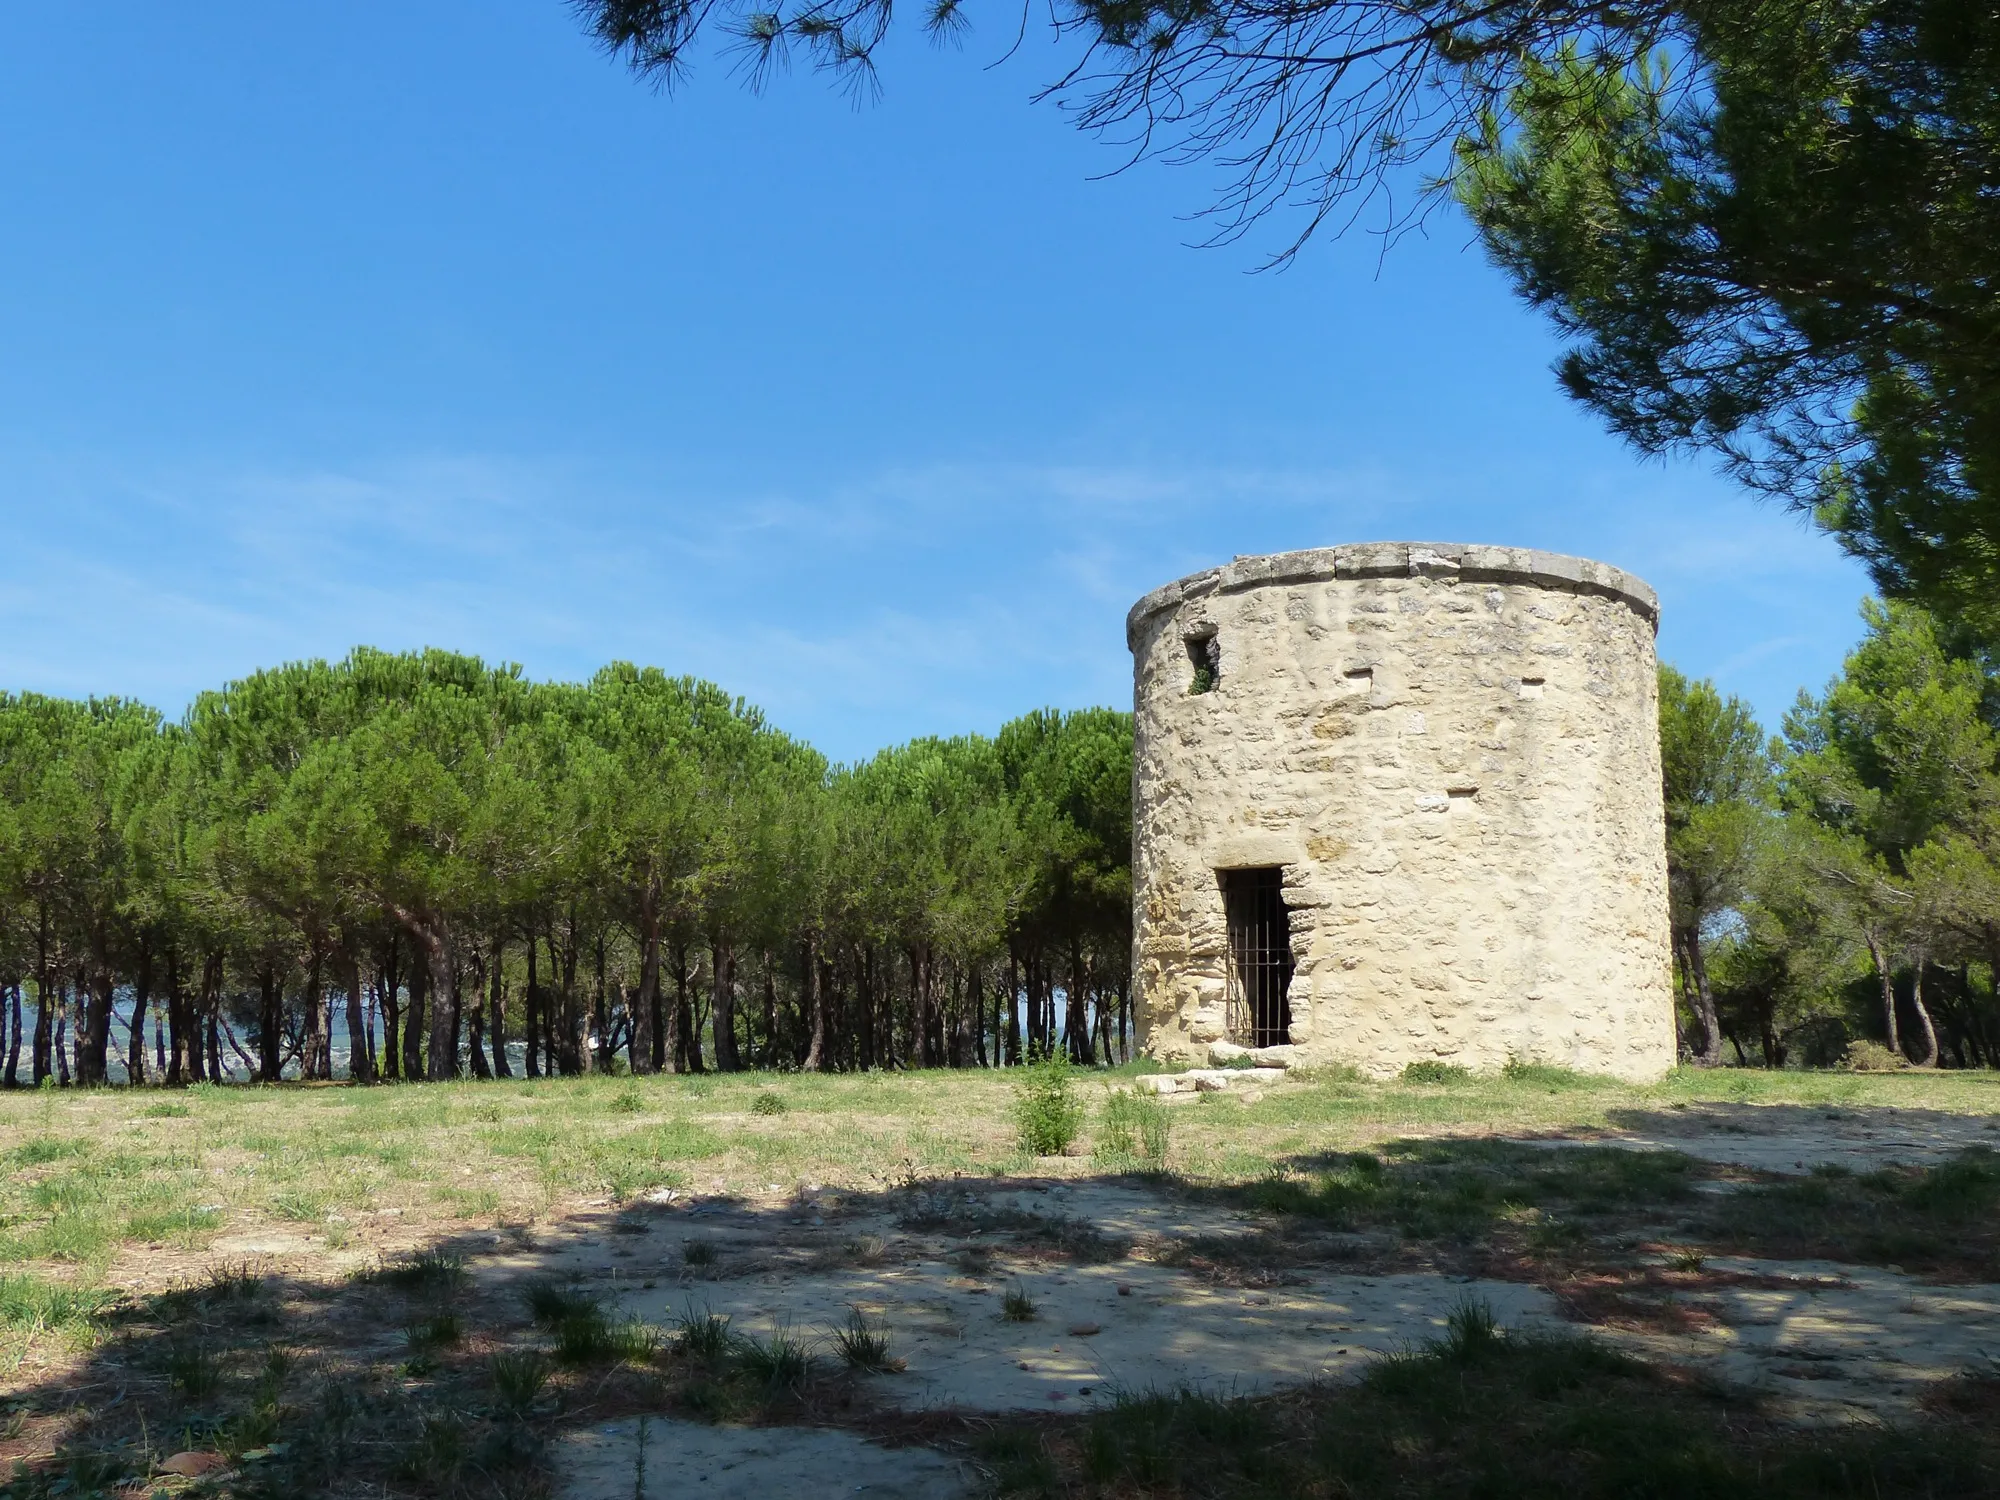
1048 1116
701 1336
110 1201
780 1362
1484 1413
33 1306
863 1345
1133 1131
1944 1218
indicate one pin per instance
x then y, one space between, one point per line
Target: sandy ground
1842 1343
1797 1138
670 1458
1824 1342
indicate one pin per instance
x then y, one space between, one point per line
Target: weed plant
702 1336
1048 1116
517 1377
1135 1129
1429 1070
864 1345
780 1363
1017 1306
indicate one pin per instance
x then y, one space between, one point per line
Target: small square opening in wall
1205 656
1361 680
1531 687
1462 793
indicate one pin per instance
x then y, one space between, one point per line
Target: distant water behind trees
419 865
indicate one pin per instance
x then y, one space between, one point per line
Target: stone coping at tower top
1468 564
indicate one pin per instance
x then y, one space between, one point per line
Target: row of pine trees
418 865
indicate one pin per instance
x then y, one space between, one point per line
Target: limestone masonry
1401 801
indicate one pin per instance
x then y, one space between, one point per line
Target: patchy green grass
1944 1218
1466 1190
118 1211
1480 1413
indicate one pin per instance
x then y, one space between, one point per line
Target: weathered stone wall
1454 753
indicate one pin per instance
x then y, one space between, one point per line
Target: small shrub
768 1103
1471 1332
518 1377
781 1362
698 1252
628 1101
438 1331
593 1339
864 1345
439 1453
550 1302
298 1208
864 1250
1017 1306
1872 1057
31 1303
1542 1075
425 1271
44 1149
1686 1258
1047 1115
701 1336
193 1371
1135 1128
1429 1070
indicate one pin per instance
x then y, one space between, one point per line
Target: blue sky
425 323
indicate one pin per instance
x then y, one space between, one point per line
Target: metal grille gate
1260 956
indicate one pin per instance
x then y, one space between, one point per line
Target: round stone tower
1401 801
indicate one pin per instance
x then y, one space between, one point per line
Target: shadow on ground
1001 1323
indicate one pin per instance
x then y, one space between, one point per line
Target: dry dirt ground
1838 1257
1822 1341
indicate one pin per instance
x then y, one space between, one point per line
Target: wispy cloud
857 608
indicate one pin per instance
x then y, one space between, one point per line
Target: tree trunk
445 1006
685 1048
1888 989
476 1048
646 1049
497 1003
413 1017
270 1025
210 1039
531 1011
96 988
316 1060
14 1040
1930 1057
360 1064
135 1040
722 1006
597 1057
770 1058
815 1009
177 1022
1710 1055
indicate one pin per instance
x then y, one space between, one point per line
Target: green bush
1048 1116
1432 1071
1135 1128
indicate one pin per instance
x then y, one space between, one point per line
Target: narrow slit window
1260 956
1205 656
